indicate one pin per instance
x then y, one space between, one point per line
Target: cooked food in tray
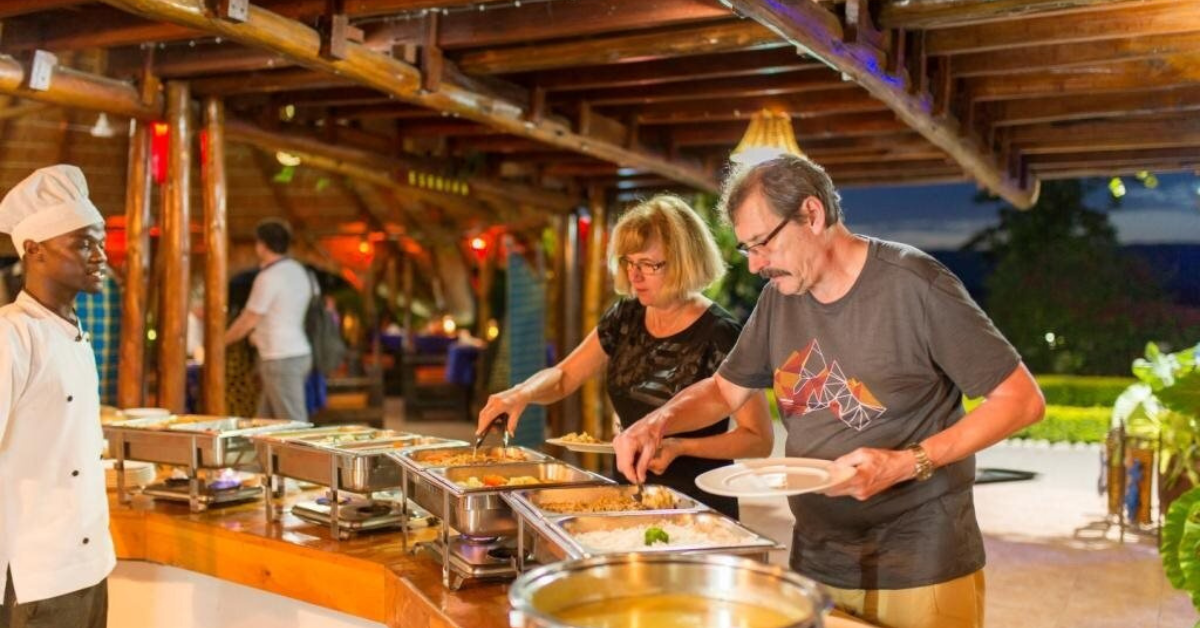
457 457
665 533
613 501
492 480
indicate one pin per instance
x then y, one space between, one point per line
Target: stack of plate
136 473
145 413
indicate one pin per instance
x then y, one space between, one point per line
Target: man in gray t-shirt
869 346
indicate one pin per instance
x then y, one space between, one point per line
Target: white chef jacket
53 507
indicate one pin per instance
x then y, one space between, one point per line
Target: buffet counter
371 576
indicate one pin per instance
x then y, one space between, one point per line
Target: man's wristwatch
924 467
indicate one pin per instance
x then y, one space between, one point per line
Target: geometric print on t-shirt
807 382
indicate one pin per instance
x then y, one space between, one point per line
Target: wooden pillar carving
216 271
131 367
172 371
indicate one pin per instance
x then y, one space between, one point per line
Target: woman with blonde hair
663 336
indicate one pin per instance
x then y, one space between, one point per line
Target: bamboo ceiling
513 109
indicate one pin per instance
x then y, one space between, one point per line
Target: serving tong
501 420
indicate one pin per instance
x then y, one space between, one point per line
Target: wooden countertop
371 576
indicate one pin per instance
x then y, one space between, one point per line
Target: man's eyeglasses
747 249
645 267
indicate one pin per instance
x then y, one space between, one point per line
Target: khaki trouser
957 603
85 608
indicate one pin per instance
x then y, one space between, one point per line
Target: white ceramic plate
773 477
145 413
587 448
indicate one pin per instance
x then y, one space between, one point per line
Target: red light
478 244
364 248
160 142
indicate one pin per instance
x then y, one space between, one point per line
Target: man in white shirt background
55 548
274 319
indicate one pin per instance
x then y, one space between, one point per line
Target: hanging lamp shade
769 134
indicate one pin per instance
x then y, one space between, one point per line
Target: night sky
945 216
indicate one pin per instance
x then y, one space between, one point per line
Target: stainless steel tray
359 466
428 458
564 532
194 441
316 433
481 511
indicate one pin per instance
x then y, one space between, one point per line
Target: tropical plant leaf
1189 555
1172 535
1184 396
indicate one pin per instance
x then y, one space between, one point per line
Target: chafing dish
344 461
652 590
478 514
190 440
535 514
357 461
564 532
480 511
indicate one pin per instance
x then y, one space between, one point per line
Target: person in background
869 346
242 387
100 316
660 339
274 320
55 546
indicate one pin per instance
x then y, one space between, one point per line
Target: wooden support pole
172 336
131 387
216 260
596 274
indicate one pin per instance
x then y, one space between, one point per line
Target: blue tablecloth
461 361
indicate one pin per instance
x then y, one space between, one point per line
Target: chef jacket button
85 540
70 398
75 473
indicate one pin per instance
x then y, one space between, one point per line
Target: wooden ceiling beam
266 30
383 169
1067 56
666 44
696 68
819 31
928 14
848 99
910 179
541 21
80 90
16 8
268 82
1116 171
1115 105
1123 21
90 27
211 58
728 134
799 82
1172 71
1116 158
1139 133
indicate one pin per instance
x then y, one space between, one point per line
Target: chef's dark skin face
58 269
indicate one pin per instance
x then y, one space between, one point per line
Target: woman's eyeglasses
644 267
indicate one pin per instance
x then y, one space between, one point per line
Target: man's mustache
771 273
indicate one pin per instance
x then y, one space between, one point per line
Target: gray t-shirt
884 366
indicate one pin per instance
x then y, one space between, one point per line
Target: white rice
633 539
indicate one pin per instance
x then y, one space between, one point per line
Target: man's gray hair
785 181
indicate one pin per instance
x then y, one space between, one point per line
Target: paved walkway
1052 560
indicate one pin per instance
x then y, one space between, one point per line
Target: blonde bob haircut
693 260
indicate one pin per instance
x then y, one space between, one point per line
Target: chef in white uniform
55 548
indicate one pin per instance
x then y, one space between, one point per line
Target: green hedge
1068 424
1082 392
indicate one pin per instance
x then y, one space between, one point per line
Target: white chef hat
48 203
